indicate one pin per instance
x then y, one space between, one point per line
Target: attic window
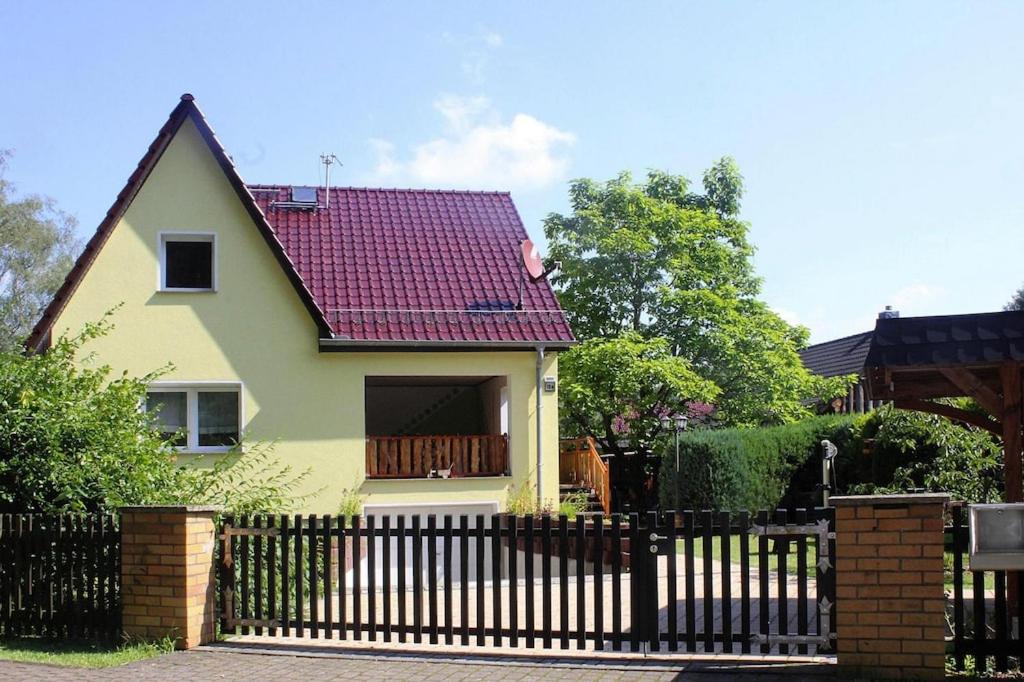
187 262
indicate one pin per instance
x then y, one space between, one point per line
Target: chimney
888 313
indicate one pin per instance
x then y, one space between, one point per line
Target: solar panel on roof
304 195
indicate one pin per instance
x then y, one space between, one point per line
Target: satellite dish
532 261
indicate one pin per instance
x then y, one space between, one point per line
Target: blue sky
881 142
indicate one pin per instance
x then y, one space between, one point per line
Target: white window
204 417
188 261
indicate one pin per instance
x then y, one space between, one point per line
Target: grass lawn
78 654
734 554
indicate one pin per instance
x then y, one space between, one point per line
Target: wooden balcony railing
580 465
436 456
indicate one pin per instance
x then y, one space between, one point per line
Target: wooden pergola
915 360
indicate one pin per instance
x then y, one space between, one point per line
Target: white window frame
192 389
164 237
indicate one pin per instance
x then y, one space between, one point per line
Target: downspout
540 427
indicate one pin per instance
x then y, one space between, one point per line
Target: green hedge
887 450
746 468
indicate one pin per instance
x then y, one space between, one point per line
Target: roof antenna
533 266
327 160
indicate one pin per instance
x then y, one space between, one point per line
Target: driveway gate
693 581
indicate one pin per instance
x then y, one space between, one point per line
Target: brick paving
221 662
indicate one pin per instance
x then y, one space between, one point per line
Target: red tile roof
390 265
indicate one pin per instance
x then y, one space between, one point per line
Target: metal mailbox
997 537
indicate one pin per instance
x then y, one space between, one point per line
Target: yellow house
386 340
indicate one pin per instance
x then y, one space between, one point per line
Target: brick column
168 585
890 600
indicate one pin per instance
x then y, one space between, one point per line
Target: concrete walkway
229 662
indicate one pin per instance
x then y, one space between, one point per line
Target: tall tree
37 248
658 263
1017 302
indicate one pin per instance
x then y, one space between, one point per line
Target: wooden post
1009 373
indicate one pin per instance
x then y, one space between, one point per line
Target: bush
885 451
906 451
747 468
73 439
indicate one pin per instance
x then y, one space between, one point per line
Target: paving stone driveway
221 663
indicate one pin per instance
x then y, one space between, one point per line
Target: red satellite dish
532 261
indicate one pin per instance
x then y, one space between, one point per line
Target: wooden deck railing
579 464
427 456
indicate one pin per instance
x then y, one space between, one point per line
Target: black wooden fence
985 605
59 576
692 581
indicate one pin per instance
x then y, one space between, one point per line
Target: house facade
386 340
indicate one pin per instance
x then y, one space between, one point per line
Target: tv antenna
328 160
533 266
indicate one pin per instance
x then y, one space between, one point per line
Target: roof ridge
425 190
841 338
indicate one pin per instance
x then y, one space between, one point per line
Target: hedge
746 468
887 450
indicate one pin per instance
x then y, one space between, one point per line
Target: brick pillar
168 585
890 601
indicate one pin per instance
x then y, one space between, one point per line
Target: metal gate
692 581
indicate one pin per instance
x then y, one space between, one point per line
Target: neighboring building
841 357
376 335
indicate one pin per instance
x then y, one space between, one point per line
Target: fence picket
355 532
545 589
744 531
285 583
616 583
598 561
446 566
725 537
481 596
781 554
513 578
417 581
496 577
432 577
328 550
371 578
385 564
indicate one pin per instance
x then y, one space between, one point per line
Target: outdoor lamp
679 421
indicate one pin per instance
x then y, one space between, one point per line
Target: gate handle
655 537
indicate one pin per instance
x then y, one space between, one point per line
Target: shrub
918 451
746 468
885 451
73 439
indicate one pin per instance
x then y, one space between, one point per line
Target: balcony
389 457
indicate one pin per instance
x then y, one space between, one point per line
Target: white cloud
915 295
479 150
492 39
475 51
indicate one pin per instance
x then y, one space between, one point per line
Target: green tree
617 390
665 262
1017 302
37 248
73 438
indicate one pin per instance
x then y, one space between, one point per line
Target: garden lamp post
677 422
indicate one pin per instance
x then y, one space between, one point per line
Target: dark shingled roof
838 357
948 340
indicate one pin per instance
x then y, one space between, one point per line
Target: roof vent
888 313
